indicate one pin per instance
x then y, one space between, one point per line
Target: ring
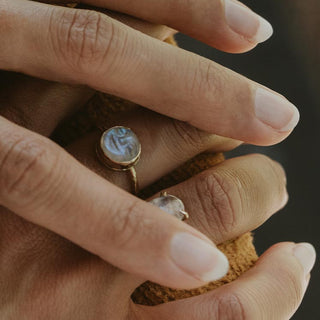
171 205
119 149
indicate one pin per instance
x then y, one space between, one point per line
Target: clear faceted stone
121 145
171 205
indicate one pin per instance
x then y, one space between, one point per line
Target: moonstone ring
171 205
119 149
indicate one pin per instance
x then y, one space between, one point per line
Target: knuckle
220 201
83 38
206 79
23 168
229 307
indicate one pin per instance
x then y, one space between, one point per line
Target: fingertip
265 31
285 199
235 46
275 111
247 24
294 120
198 258
220 269
306 255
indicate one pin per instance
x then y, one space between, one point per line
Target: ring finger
166 144
229 199
225 201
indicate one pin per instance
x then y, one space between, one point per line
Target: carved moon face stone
171 205
121 146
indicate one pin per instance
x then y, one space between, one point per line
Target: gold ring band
134 180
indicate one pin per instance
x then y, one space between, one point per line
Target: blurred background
289 63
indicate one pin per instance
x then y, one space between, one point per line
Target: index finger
40 182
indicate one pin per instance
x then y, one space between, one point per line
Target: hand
38 268
31 237
22 103
90 48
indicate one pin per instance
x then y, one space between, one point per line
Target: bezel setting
102 151
179 211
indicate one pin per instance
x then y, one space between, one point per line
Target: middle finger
166 144
225 201
87 47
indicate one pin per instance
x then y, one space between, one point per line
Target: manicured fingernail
275 111
306 254
284 199
198 258
244 21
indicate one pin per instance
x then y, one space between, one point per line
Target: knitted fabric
240 252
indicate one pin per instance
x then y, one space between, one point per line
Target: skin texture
45 276
90 48
38 268
204 20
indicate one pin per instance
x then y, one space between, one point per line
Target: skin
87 47
40 268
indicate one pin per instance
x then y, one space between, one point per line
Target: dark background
280 64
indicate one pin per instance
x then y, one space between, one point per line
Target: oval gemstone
171 205
121 145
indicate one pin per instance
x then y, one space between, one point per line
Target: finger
41 105
233 197
227 25
272 289
87 47
157 31
166 144
226 201
40 182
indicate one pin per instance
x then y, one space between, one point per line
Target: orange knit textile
240 252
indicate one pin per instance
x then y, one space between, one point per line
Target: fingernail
198 258
306 254
244 21
275 111
284 199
